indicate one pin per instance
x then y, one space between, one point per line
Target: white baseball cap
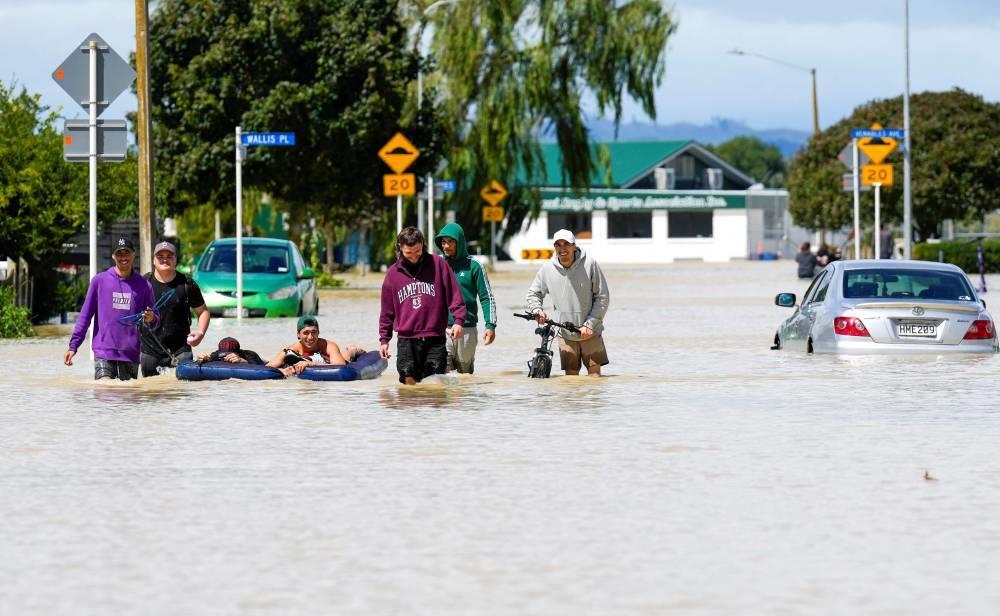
565 235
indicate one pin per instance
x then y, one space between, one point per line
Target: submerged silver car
887 306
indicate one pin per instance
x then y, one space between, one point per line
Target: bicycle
540 365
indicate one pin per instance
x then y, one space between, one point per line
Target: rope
137 317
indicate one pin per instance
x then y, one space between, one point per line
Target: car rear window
256 259
895 283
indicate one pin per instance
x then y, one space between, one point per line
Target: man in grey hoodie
580 295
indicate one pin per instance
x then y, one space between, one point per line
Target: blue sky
855 45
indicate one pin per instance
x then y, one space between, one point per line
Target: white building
665 201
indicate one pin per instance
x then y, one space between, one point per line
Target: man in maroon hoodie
418 292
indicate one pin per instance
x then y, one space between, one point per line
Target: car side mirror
307 272
984 302
785 300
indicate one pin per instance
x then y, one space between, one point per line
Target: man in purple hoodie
115 298
418 292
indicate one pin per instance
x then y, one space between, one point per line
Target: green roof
629 159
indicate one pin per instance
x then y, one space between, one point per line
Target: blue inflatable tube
222 370
368 366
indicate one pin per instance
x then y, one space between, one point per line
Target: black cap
229 344
122 243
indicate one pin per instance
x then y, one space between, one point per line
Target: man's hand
488 337
298 367
233 358
541 317
148 316
457 330
383 351
287 370
195 338
586 332
68 357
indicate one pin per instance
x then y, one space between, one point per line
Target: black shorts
151 363
121 370
421 357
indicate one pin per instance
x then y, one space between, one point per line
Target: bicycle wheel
540 367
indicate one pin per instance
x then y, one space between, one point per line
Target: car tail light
850 326
981 329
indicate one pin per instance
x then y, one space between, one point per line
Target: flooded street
705 474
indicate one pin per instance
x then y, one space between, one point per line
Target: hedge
962 253
15 321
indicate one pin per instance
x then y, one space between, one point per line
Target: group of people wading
429 302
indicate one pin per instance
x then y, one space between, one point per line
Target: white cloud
856 61
855 45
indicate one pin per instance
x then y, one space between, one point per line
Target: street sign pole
430 209
239 225
399 213
92 104
857 201
92 49
878 220
493 244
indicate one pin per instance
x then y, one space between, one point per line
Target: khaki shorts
589 352
462 352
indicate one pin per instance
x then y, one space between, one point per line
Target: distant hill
787 140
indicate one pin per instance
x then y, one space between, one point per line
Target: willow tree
510 72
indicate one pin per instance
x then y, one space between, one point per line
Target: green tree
508 72
955 164
43 199
335 73
754 157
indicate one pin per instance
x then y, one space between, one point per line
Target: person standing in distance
113 298
174 337
418 294
473 282
580 295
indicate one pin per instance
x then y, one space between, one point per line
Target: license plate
908 329
231 312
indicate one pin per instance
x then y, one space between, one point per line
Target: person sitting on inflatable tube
229 350
311 350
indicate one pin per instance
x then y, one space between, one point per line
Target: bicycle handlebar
530 317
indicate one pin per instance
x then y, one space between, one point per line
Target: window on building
630 224
685 167
577 222
689 224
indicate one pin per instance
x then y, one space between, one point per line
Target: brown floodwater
704 474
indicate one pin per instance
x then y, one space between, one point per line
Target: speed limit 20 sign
876 174
397 184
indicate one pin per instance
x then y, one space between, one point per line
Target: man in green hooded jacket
473 282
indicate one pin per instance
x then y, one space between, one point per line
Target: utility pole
144 135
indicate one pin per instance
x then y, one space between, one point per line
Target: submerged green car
276 281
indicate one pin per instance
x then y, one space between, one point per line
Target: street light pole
811 71
429 181
820 233
907 196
